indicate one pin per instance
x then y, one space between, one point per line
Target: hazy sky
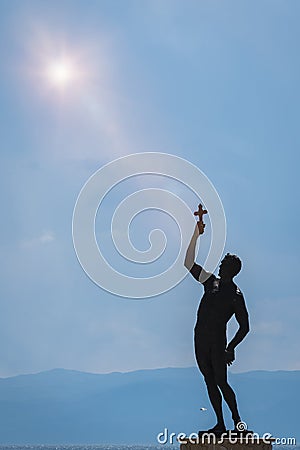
216 83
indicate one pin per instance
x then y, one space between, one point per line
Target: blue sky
216 83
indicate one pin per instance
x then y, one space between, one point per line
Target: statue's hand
229 356
201 226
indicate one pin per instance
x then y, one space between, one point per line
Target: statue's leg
203 358
220 373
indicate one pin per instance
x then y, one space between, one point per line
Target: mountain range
70 407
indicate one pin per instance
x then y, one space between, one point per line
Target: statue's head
230 266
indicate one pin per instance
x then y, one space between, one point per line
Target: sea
90 447
114 447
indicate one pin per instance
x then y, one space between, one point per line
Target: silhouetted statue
222 298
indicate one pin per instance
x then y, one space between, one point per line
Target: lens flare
61 73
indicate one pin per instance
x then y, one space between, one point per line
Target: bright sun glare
61 73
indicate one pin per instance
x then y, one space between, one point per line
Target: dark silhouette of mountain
65 406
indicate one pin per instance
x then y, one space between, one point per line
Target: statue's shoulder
238 294
211 282
238 291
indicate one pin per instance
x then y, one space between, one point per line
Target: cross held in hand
200 212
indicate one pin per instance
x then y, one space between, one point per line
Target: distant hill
64 407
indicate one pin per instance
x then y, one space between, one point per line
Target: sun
61 73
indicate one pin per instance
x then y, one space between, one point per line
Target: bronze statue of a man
221 300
